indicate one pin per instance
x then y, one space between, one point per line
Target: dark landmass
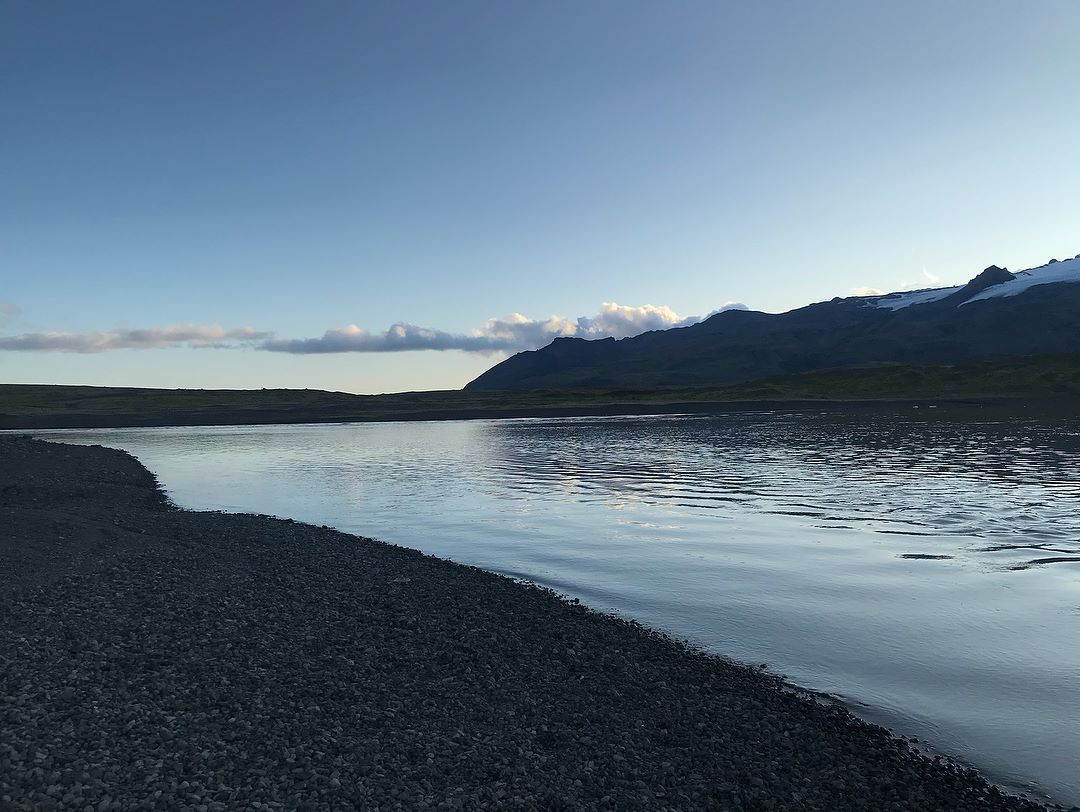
1013 383
154 658
740 345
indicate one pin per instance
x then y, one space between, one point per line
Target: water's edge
867 714
165 549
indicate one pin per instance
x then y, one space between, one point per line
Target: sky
373 197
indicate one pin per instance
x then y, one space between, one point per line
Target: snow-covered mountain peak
1065 271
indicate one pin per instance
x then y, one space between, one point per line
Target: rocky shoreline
155 658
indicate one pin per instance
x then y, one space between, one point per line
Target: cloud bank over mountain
512 333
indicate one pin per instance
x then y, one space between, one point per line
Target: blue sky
230 178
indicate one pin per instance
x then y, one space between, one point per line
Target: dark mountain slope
924 327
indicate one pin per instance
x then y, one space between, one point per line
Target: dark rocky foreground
152 658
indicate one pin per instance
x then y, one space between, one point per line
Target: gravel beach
155 658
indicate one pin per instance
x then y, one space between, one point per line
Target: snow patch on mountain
898 301
1066 271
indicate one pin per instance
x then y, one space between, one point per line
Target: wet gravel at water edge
153 658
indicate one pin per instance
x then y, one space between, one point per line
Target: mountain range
997 314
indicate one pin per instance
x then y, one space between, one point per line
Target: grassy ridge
30 406
1055 376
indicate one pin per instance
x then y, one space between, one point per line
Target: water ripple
956 483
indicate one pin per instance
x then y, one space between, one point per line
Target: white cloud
511 333
620 321
932 278
867 292
188 335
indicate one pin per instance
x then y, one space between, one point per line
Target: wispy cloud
867 292
928 280
8 309
512 333
181 335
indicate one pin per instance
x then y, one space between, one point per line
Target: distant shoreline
241 418
1045 384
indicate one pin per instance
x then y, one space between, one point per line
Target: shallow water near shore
927 571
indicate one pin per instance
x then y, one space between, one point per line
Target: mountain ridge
996 314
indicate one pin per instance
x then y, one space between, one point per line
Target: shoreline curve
162 658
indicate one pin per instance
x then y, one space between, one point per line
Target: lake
924 569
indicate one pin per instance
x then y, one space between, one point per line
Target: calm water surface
925 570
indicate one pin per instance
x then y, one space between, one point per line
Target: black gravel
153 658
